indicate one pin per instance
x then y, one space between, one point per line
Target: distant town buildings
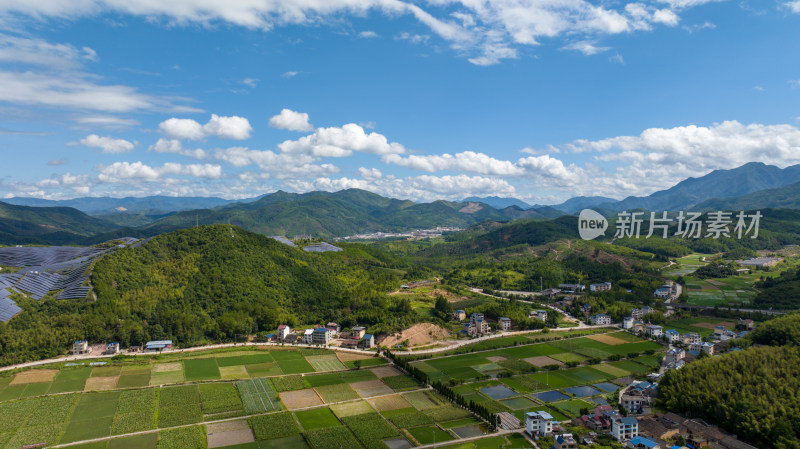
538 314
601 287
600 320
760 262
539 423
691 338
321 336
367 341
359 331
627 322
571 288
158 345
477 326
654 330
80 347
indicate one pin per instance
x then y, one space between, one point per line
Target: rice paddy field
232 399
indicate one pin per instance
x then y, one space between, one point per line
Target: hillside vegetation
201 284
753 393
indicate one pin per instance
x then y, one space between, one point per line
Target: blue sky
537 99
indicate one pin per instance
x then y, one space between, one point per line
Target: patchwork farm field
302 399
561 391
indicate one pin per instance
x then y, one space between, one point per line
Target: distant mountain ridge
749 178
786 197
499 202
106 205
578 203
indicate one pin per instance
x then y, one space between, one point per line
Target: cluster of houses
668 290
324 336
633 429
478 326
81 347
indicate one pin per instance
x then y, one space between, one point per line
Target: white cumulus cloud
233 127
121 172
341 142
107 144
291 120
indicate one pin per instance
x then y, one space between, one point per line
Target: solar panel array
322 247
283 240
44 270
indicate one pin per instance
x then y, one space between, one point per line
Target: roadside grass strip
145 441
370 429
274 425
219 397
179 406
332 438
258 396
182 438
318 418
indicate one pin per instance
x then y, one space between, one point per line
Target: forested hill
203 284
47 225
752 393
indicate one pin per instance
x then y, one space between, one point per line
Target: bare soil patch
607 339
223 439
369 388
101 383
350 356
167 367
385 371
227 426
707 325
495 359
34 376
300 398
394 402
542 360
417 335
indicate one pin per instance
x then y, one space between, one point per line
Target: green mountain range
748 178
47 225
786 197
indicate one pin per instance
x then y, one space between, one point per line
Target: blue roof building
640 442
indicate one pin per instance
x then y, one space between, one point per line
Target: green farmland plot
274 425
295 366
430 434
332 438
573 406
135 412
201 369
70 379
245 359
318 418
321 380
145 441
336 393
258 396
182 438
139 377
370 429
325 363
220 397
179 405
